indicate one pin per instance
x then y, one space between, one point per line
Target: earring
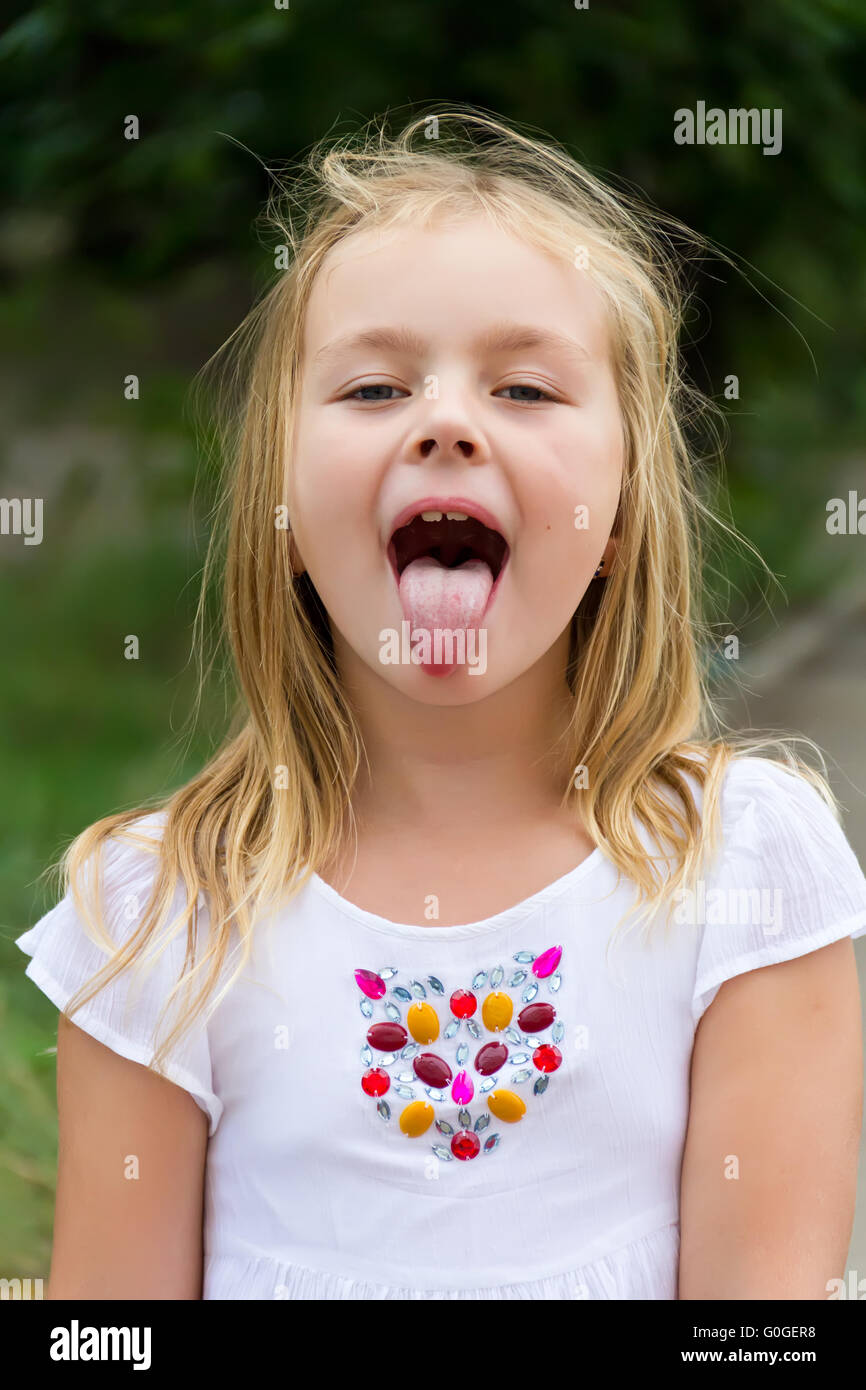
600 568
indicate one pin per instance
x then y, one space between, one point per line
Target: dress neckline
500 920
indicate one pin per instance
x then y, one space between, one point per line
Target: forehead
449 280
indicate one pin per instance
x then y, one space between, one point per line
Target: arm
116 1236
777 1081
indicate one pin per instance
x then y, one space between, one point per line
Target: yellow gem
422 1023
417 1118
505 1106
496 1011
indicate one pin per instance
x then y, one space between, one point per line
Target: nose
461 446
448 432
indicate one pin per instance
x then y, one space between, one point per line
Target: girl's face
457 370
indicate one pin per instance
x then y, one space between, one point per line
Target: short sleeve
786 881
124 1014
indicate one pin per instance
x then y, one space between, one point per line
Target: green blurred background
141 257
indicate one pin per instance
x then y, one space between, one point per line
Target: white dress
571 1190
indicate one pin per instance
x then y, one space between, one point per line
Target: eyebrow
502 337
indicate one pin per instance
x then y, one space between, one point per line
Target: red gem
387 1037
536 1017
463 1004
432 1070
370 983
491 1057
375 1082
465 1144
547 1057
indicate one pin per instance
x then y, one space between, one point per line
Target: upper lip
447 504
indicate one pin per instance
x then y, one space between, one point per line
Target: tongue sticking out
434 596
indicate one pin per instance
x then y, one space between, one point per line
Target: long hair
269 807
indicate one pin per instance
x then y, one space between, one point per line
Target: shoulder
776 812
111 882
118 877
784 882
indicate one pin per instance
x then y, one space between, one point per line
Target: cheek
583 468
328 480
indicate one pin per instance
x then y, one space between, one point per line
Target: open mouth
450 538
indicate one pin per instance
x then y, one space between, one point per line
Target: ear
295 558
608 557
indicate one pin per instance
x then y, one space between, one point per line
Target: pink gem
546 963
463 1090
370 983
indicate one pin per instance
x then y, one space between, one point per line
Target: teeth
457 516
432 516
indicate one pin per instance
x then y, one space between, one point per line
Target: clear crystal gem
555 981
473 1028
491 1143
400 993
529 993
464 1119
434 1095
392 1012
481 1123
388 973
541 1085
452 1028
462 1054
367 1055
418 990
517 1057
436 985
480 979
387 1058
524 957
444 1127
410 1049
496 977
366 1008
406 1092
519 1076
442 1153
513 1036
558 1031
384 1109
407 1078
488 1084
517 978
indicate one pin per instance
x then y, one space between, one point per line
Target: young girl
372 1020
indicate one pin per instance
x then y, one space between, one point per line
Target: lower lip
446 669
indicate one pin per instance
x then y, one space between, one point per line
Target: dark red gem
536 1017
465 1144
547 1057
463 1004
387 1037
432 1070
491 1057
375 1082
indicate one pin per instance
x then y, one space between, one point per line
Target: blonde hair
643 720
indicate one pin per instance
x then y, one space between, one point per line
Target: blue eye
527 400
377 386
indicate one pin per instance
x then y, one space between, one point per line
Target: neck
438 766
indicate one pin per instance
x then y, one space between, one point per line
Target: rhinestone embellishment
448 1086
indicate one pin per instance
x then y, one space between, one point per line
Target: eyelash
515 386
